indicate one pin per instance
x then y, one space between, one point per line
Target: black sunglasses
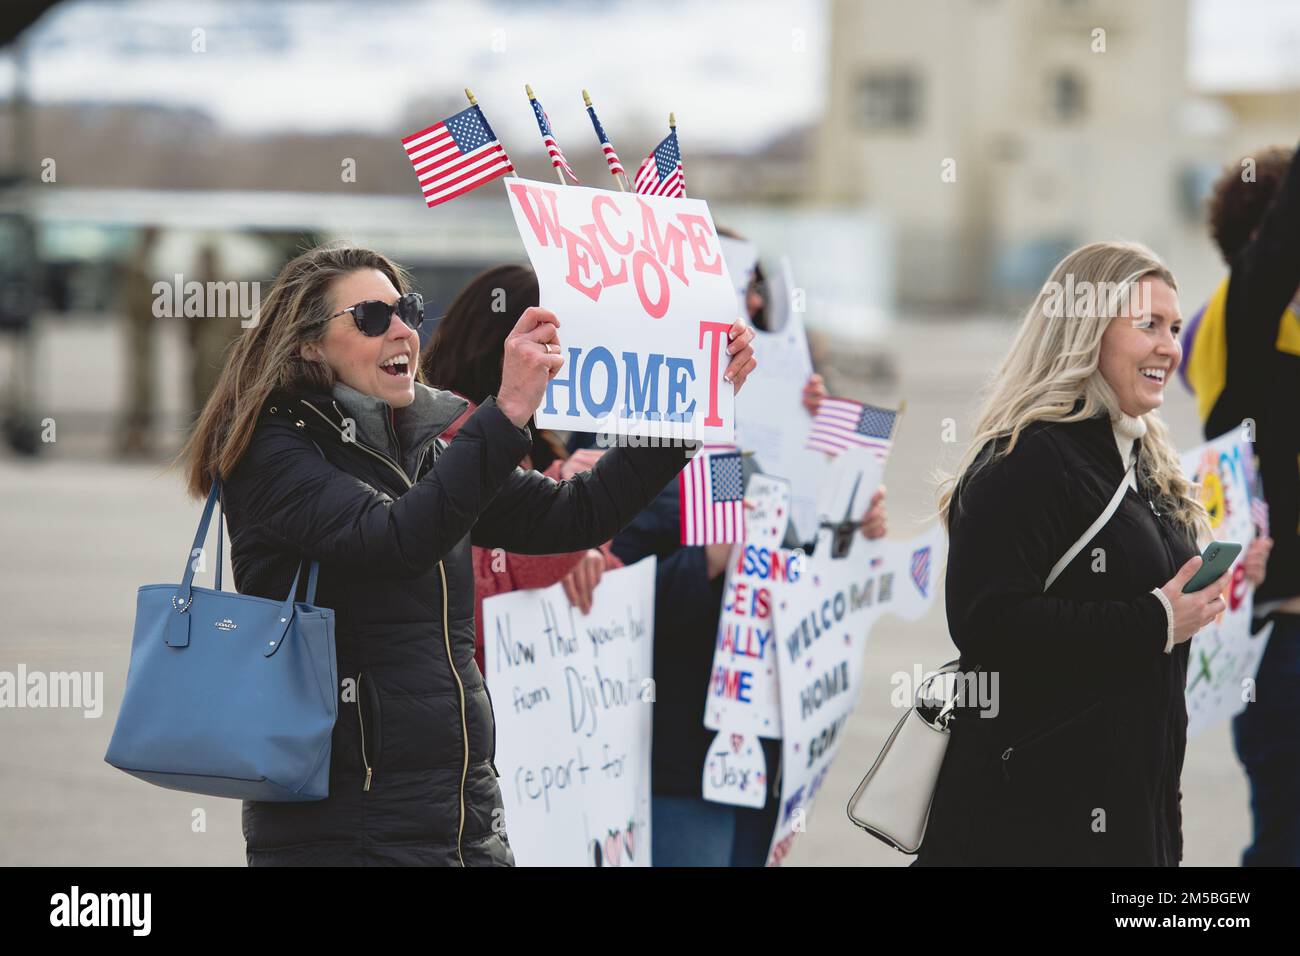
373 315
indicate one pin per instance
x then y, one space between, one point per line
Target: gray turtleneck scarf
432 411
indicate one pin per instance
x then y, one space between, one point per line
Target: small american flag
548 137
842 423
1259 515
1258 504
611 157
712 492
921 569
661 173
459 154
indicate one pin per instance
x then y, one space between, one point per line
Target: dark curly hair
1237 206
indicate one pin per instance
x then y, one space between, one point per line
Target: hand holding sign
532 357
741 350
651 338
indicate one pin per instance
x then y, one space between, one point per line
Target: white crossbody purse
892 802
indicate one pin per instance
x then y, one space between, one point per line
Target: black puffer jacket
411 773
1082 761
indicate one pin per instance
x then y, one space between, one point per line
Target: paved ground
78 535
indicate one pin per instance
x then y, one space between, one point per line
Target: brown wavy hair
1236 206
266 358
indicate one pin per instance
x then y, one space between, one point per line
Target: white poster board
641 289
771 420
1224 655
823 620
742 694
573 697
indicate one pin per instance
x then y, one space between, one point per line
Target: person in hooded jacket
326 441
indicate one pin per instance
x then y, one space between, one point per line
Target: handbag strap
181 600
200 536
1092 529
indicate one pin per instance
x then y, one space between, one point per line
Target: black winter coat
411 774
1081 765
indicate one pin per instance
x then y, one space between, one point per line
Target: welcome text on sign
598 244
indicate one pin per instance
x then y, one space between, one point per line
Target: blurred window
1066 97
888 99
1195 180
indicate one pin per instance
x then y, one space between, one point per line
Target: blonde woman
1079 761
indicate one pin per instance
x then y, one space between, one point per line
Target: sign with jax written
1224 655
641 289
823 618
744 676
573 698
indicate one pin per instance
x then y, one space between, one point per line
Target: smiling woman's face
1140 350
361 361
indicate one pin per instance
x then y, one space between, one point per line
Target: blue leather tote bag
228 694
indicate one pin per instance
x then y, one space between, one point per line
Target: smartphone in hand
1217 558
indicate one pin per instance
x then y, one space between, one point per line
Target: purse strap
1096 526
181 600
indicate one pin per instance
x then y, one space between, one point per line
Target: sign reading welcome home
644 300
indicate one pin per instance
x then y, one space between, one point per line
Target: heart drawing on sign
612 849
736 741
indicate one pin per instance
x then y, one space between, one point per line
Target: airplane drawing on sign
842 531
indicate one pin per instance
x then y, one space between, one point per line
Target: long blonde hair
266 358
1053 363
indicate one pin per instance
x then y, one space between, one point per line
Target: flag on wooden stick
611 157
459 154
548 137
661 173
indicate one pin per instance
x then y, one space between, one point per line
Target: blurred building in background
940 156
995 135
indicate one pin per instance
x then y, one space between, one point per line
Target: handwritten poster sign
823 620
735 771
573 703
742 695
771 420
641 288
767 510
1224 654
743 691
742 702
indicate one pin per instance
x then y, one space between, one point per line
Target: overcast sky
735 71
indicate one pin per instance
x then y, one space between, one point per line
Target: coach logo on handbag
225 624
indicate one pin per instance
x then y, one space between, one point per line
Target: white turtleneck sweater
1127 430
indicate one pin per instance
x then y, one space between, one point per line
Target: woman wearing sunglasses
326 440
